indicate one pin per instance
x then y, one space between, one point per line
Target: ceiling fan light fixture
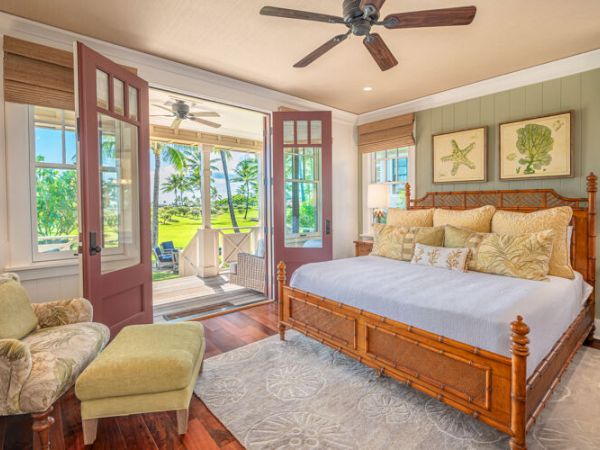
367 88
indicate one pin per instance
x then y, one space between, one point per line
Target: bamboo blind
38 75
386 134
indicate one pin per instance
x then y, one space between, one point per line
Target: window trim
368 171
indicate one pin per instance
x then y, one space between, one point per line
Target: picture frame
460 156
536 148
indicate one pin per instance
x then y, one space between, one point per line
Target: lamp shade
377 196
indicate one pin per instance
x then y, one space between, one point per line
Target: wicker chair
248 271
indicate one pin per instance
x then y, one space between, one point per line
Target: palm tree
225 155
194 168
176 183
246 173
171 155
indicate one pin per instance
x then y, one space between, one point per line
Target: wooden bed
491 387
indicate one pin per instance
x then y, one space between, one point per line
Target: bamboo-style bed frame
491 387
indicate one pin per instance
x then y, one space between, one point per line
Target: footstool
146 368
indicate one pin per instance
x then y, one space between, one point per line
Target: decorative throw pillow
399 242
455 237
17 318
478 219
556 219
410 217
447 258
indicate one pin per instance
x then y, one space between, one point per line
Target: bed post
407 194
281 283
518 384
592 188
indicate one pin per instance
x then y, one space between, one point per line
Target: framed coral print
460 156
540 147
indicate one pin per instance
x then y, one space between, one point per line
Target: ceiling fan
180 111
360 16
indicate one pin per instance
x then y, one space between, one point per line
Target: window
54 183
392 167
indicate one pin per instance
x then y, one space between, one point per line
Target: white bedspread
474 308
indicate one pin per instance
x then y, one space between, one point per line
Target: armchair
43 349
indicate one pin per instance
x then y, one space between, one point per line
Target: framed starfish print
460 156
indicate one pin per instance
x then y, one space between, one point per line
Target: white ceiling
236 122
230 37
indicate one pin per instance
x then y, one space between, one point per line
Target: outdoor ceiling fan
180 111
360 15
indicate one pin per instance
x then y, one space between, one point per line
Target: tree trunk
228 187
247 201
295 195
155 194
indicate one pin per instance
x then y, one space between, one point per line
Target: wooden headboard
583 242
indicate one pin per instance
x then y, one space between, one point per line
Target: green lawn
181 229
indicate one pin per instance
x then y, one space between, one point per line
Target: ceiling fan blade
204 114
206 122
321 50
175 124
161 115
162 107
462 15
303 15
376 4
379 51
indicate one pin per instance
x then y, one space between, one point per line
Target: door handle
94 247
327 226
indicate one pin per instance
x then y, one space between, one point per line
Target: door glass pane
133 103
120 196
315 132
302 132
302 171
288 132
102 89
118 96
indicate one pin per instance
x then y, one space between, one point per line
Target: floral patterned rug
300 394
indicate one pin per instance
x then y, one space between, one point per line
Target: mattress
471 307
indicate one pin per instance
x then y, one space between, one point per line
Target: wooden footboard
490 387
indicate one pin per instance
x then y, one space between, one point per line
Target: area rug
300 394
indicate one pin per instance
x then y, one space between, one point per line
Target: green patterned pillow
443 257
399 242
521 256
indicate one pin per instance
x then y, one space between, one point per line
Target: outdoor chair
168 247
249 269
163 260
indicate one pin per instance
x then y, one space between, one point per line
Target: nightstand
362 248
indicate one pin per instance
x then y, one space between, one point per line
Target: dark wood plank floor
153 431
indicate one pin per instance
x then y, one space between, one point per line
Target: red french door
112 111
302 188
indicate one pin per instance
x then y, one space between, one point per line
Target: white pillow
443 257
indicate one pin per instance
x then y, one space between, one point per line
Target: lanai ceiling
230 37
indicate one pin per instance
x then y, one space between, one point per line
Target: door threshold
220 311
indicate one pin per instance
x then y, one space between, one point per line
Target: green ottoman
146 368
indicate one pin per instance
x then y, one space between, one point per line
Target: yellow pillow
478 219
556 219
521 255
399 242
410 217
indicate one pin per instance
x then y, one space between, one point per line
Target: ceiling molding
544 72
166 74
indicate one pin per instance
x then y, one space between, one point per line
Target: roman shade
386 134
38 75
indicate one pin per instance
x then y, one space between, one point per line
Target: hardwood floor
153 431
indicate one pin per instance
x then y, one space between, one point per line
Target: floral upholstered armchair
43 349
